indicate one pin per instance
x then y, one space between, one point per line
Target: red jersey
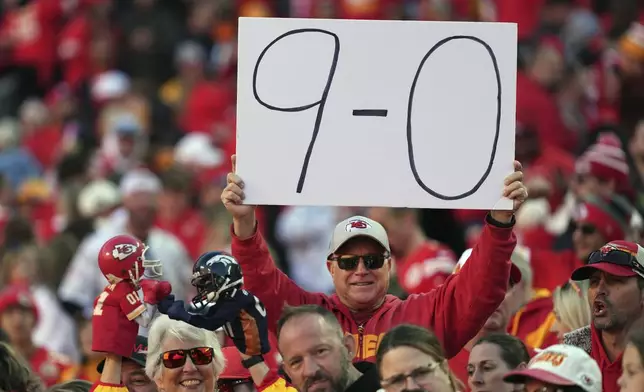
532 323
426 268
114 312
50 367
455 311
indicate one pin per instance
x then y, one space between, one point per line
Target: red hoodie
455 311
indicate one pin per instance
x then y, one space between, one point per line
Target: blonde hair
14 258
72 386
164 327
571 304
16 375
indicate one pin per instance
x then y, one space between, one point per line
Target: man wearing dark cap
133 368
616 297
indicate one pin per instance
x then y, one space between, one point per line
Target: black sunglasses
617 257
350 262
177 358
586 228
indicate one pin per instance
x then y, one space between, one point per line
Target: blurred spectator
304 231
139 191
72 386
16 163
85 368
22 267
18 317
149 34
422 264
16 375
176 213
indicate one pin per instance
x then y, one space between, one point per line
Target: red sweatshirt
551 269
455 311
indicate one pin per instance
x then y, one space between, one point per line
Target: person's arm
77 289
457 310
265 280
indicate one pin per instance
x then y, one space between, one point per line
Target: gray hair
164 327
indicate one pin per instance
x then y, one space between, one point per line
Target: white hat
561 365
98 196
358 226
196 149
110 85
139 180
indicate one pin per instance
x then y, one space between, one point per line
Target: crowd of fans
118 116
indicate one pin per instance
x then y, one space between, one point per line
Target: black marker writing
370 112
410 146
320 104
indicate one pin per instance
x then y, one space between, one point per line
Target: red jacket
425 268
532 323
455 311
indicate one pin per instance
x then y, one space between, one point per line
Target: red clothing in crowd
364 9
525 13
426 268
532 323
207 104
44 145
74 51
32 29
455 311
538 109
611 371
190 228
551 269
48 366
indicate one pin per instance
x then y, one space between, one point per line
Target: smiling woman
182 357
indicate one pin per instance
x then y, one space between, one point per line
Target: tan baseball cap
357 226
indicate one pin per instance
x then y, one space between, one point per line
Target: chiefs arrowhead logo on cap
357 224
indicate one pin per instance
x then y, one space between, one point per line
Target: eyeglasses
421 376
586 229
617 257
350 262
177 358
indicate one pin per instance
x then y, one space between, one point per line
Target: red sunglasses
177 358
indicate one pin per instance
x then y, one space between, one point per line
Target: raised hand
515 190
233 198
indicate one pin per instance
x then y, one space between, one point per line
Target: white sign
376 113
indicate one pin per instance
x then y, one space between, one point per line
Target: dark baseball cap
139 353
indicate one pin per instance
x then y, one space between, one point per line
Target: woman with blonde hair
181 356
571 307
15 372
410 357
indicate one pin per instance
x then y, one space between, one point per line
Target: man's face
360 288
590 186
18 323
134 378
315 357
586 239
615 301
142 208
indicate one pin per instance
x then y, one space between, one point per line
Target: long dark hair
407 335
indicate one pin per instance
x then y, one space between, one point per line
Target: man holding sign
360 264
